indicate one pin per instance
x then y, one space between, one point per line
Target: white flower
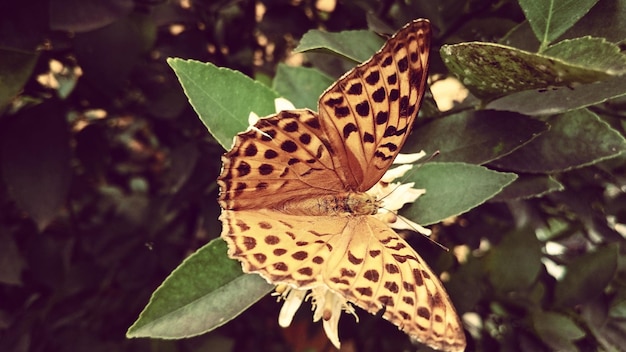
394 195
326 304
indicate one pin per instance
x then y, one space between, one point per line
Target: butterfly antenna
417 230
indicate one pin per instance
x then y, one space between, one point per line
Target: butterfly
293 193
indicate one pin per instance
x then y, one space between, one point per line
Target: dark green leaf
35 156
618 306
86 15
15 69
475 137
98 52
593 53
452 189
515 262
301 85
608 332
586 277
556 330
357 46
561 99
11 262
575 139
528 186
605 20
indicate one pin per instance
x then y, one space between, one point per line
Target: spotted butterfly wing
371 109
283 179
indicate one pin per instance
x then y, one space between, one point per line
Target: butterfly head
362 204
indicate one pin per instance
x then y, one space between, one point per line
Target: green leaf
465 285
515 262
618 306
11 262
561 99
551 18
592 53
15 69
586 277
492 70
575 139
356 46
556 330
528 186
452 189
222 98
36 160
605 20
206 291
301 85
475 137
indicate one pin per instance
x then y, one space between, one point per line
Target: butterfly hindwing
359 257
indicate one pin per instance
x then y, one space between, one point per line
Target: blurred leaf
556 330
551 18
86 15
184 159
618 306
492 70
529 186
35 161
23 28
515 262
98 51
575 139
356 46
465 286
222 98
452 189
206 291
301 85
16 68
586 277
11 261
475 137
561 99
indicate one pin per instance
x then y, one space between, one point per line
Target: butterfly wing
368 113
284 157
359 257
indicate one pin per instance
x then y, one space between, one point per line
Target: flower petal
290 307
409 158
395 173
283 104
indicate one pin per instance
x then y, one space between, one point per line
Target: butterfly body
339 204
295 207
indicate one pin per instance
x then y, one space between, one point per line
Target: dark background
108 178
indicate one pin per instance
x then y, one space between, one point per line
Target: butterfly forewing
368 113
283 157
